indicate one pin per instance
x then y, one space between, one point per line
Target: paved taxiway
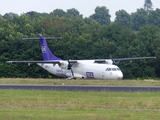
96 88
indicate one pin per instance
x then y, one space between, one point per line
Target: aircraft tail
46 52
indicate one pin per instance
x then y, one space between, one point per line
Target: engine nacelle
108 62
63 64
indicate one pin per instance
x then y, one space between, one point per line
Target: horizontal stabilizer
47 38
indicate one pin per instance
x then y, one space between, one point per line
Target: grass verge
57 105
77 114
78 82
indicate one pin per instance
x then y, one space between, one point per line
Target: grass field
79 82
58 105
64 105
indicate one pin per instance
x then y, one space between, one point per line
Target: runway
86 88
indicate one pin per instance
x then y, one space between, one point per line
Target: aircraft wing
54 62
115 61
129 59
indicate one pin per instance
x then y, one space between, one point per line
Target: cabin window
112 69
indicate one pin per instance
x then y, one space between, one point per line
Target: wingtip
9 62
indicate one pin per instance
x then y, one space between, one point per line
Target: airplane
72 69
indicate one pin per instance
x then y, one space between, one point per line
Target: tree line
94 37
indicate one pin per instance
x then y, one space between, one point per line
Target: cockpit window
118 69
108 69
112 69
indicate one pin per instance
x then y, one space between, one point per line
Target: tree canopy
94 37
101 15
148 5
123 18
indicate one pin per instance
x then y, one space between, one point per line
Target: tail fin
46 52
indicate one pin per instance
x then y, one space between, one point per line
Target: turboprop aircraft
94 69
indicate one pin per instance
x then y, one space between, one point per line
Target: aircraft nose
120 76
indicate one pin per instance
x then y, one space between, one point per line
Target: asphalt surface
87 88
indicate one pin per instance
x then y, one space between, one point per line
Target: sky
85 7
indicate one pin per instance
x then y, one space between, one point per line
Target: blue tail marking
46 52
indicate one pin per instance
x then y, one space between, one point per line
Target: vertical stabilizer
46 52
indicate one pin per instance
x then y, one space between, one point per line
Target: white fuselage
86 69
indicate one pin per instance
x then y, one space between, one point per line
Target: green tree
83 38
155 63
73 12
147 35
148 5
58 12
139 19
101 15
9 15
148 46
123 18
154 17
